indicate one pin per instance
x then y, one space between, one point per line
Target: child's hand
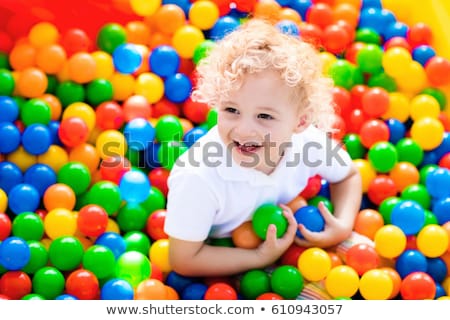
272 248
335 231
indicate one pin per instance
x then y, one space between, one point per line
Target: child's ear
302 124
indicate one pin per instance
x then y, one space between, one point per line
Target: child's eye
231 110
265 116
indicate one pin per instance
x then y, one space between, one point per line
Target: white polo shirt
210 195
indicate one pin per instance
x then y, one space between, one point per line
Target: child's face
258 120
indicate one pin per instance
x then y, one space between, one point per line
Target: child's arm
191 258
346 198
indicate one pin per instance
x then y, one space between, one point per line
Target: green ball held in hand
266 215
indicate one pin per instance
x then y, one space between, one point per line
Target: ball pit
95 108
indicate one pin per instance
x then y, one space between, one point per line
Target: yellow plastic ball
60 222
111 143
203 14
149 85
21 158
112 226
83 111
3 201
413 79
159 254
375 284
395 60
328 59
145 8
432 241
123 86
366 171
427 132
314 264
390 241
186 39
104 63
424 105
398 107
342 281
55 157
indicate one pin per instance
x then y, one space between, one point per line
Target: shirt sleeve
191 207
327 156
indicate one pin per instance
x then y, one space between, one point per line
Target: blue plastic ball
114 241
9 137
396 29
139 133
151 155
41 176
66 297
178 281
444 147
53 127
193 135
437 269
36 139
195 291
134 186
324 189
14 253
438 183
23 197
117 289
288 27
311 218
223 26
10 175
440 291
183 4
127 58
397 130
409 216
371 4
301 6
410 261
422 54
441 209
164 61
177 87
9 109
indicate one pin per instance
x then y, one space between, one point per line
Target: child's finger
326 214
271 234
309 235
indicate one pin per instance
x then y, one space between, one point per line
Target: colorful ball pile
92 120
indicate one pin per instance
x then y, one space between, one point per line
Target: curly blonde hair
258 45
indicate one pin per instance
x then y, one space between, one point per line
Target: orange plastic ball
51 58
59 195
82 67
151 289
404 174
245 237
368 222
32 83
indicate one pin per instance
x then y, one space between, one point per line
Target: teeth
247 144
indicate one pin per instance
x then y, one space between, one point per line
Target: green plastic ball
76 175
211 118
418 193
369 59
35 111
48 282
137 241
169 152
353 145
28 226
314 201
66 253
287 281
425 171
69 92
383 156
386 206
155 200
100 261
169 128
111 36
38 257
132 217
106 194
98 91
134 267
266 215
7 83
254 283
202 50
410 151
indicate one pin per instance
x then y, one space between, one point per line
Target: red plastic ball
195 111
158 178
419 34
155 224
165 107
362 257
320 14
113 168
444 162
400 42
75 40
312 187
418 286
375 102
83 284
291 255
357 92
380 188
352 51
311 34
269 296
5 226
335 38
355 120
156 272
92 220
109 115
438 71
341 99
73 131
373 131
15 284
220 291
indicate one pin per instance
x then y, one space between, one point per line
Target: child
274 109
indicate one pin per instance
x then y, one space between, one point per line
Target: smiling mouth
248 147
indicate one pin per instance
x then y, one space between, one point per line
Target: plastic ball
9 137
194 291
59 195
117 289
311 218
164 61
437 269
127 58
223 26
59 222
254 283
397 130
410 261
113 241
404 174
373 131
151 289
203 14
437 70
432 241
110 36
73 131
410 151
375 285
342 281
368 222
186 39
48 282
5 226
380 188
28 226
15 284
10 109
14 253
82 284
177 87
427 132
390 241
38 258
138 133
220 291
134 186
437 183
65 253
383 156
145 8
287 281
92 220
100 261
266 215
35 111
314 264
159 255
32 83
312 188
366 172
409 216
362 257
418 286
375 101
107 195
202 50
23 197
133 267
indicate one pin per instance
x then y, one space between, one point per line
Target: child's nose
245 128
